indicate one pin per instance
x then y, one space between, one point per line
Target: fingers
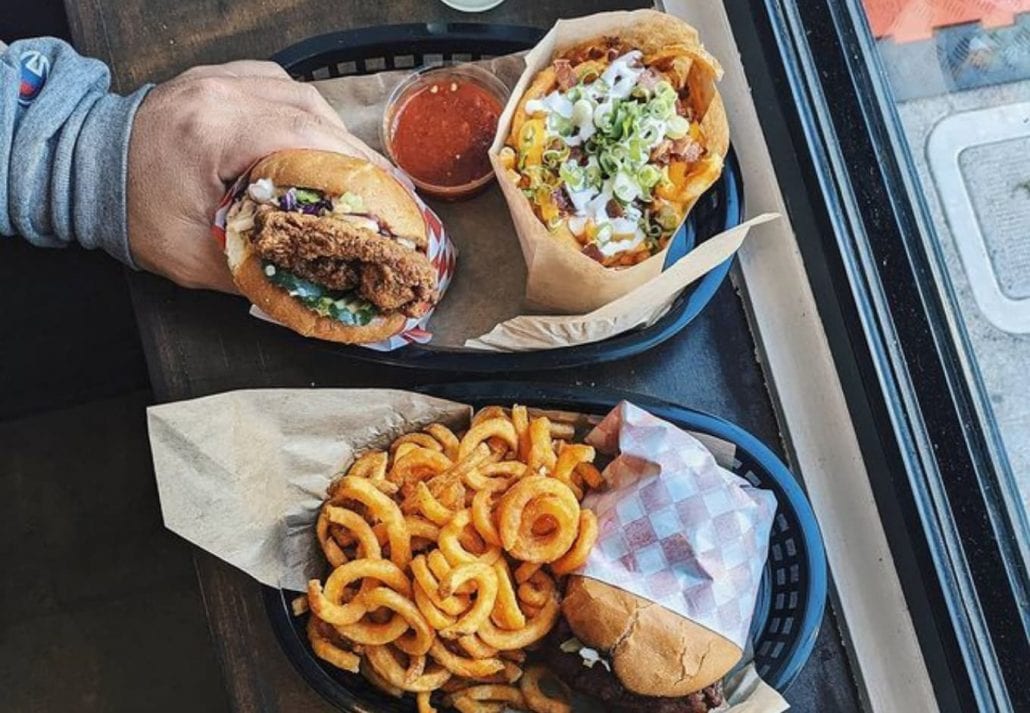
288 92
239 68
210 270
219 277
185 252
265 80
197 133
282 127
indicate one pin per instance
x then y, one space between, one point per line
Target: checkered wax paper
441 253
675 527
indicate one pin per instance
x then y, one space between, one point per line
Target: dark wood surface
101 612
200 343
151 40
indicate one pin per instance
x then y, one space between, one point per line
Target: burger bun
653 651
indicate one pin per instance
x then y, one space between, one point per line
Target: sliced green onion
608 163
649 176
667 217
553 158
677 128
662 108
574 176
638 151
582 111
625 188
664 90
560 125
651 132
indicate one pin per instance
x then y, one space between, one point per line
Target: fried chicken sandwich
331 246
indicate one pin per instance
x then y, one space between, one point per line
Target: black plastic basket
791 600
375 49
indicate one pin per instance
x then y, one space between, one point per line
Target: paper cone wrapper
440 251
675 527
560 278
642 307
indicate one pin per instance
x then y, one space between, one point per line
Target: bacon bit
661 153
615 47
600 50
688 149
577 154
649 79
614 209
593 252
561 200
564 74
604 48
683 107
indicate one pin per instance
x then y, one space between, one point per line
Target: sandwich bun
653 651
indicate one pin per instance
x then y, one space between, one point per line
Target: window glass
959 77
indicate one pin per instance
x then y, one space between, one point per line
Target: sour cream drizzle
588 107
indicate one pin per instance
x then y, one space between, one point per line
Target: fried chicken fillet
343 256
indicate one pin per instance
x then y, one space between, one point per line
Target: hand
194 135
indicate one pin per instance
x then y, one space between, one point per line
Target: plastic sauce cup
438 125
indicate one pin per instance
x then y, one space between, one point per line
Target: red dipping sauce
439 126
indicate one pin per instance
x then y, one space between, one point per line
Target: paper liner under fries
440 251
559 278
677 528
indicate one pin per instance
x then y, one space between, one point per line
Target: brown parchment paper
242 475
561 280
238 472
643 306
489 286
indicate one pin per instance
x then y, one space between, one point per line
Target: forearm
63 148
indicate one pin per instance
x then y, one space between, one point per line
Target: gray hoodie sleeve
64 143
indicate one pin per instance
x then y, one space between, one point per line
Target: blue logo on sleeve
35 68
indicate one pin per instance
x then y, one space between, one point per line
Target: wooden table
200 343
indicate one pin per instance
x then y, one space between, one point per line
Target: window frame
891 331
